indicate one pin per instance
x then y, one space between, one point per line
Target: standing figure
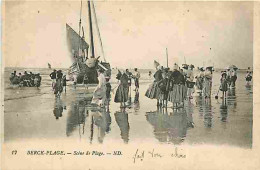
64 81
164 90
150 74
224 84
108 90
199 81
153 92
177 89
233 78
228 77
207 83
189 82
122 89
58 88
130 76
100 91
248 78
53 78
136 77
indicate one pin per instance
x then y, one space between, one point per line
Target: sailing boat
83 65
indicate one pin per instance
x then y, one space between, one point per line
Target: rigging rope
95 17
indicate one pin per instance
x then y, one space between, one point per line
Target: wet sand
201 121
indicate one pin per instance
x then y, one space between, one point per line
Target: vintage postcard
93 85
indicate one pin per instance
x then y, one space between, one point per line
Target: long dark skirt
153 92
121 94
224 86
178 94
58 86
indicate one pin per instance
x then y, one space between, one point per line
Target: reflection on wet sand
102 120
231 98
170 127
58 108
99 120
76 117
122 121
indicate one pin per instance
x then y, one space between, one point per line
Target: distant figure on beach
189 82
228 71
150 74
108 90
53 78
177 88
64 81
233 77
199 81
100 91
136 77
248 78
223 84
122 89
207 83
58 88
153 92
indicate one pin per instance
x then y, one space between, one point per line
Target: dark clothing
53 75
64 81
137 82
59 75
177 77
224 84
158 75
122 90
108 90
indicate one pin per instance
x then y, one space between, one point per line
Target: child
224 84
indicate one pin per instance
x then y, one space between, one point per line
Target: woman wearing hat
199 81
177 89
153 92
224 84
207 83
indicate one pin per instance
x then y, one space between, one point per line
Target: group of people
123 92
59 81
171 85
26 79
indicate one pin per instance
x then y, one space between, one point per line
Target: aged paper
43 130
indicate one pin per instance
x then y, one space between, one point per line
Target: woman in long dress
207 83
154 92
122 89
189 81
100 91
177 89
199 81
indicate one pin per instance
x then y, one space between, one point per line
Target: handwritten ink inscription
140 155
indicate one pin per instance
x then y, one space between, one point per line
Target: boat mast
91 30
167 57
97 28
80 27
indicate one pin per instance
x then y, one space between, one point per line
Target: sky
134 34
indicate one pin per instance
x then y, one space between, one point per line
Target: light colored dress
207 83
100 90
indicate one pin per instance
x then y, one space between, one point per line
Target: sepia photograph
121 75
